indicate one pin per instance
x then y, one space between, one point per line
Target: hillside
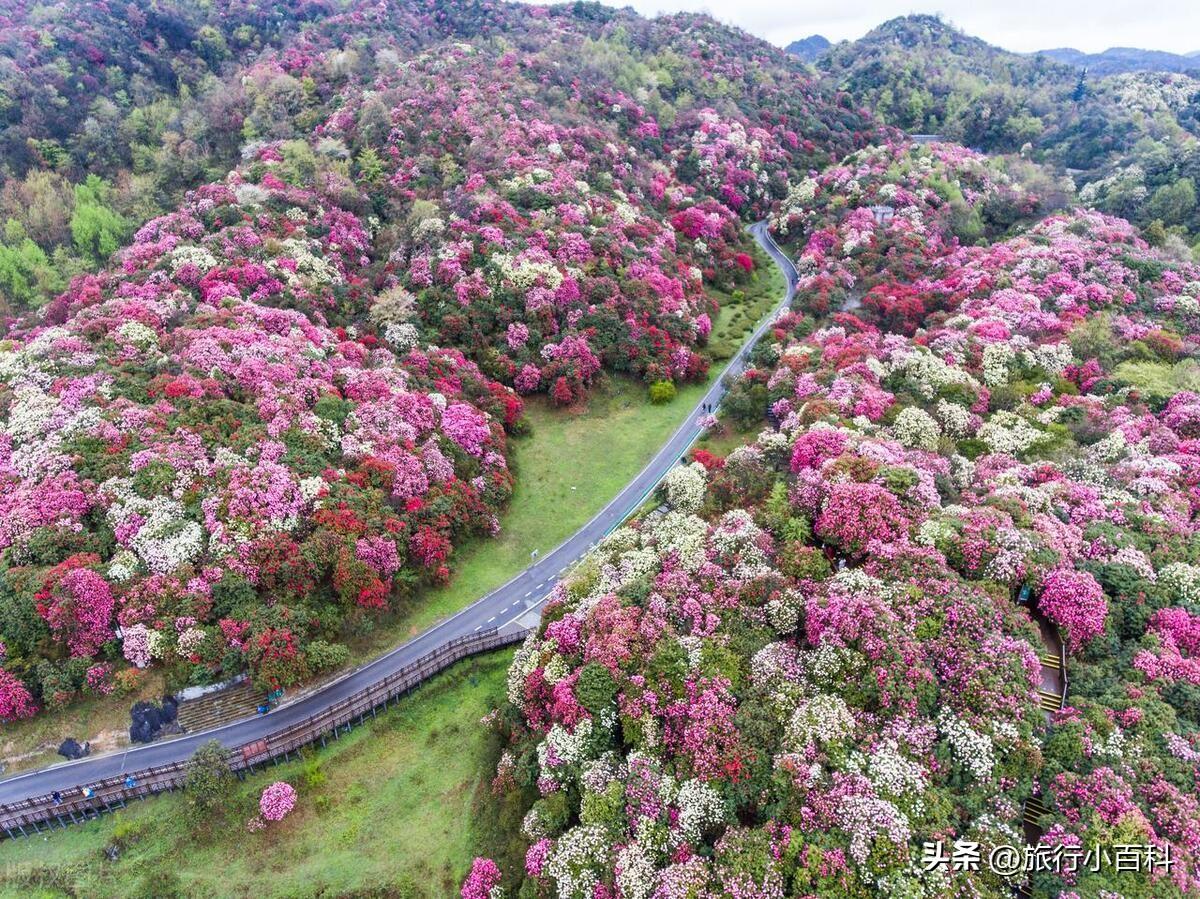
920 575
821 656
810 48
1129 140
285 402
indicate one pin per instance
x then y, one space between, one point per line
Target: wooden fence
37 813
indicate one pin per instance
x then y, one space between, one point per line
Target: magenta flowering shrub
1073 600
483 882
15 700
277 801
855 515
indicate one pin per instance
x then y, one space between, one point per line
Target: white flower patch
139 335
577 861
824 719
783 613
167 538
562 748
772 665
1053 357
1112 447
635 872
1008 433
525 274
895 776
736 540
926 374
916 428
311 264
683 534
1184 582
183 256
403 336
955 419
684 485
996 359
972 749
524 662
122 567
865 818
700 806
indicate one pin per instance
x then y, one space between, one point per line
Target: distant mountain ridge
809 48
1112 61
1116 60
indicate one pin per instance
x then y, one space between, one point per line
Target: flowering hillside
100 134
865 231
818 660
548 251
202 475
230 434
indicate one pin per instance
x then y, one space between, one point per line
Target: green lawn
743 310
398 807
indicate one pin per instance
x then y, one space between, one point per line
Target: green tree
209 782
96 228
662 392
1173 203
26 276
370 166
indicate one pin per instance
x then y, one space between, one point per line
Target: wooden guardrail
37 812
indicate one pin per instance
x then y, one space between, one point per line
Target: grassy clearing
742 310
398 807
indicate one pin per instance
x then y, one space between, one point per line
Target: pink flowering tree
15 700
1074 600
277 801
857 514
483 881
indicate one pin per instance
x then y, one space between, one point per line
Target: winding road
501 608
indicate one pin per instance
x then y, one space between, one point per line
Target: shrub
209 783
277 801
662 392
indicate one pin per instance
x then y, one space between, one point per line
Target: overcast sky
1023 25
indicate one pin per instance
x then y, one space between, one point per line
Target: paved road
500 608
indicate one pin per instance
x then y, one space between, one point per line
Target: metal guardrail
37 812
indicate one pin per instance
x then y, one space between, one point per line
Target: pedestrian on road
130 782
57 797
88 792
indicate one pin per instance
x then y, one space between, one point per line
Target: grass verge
398 807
